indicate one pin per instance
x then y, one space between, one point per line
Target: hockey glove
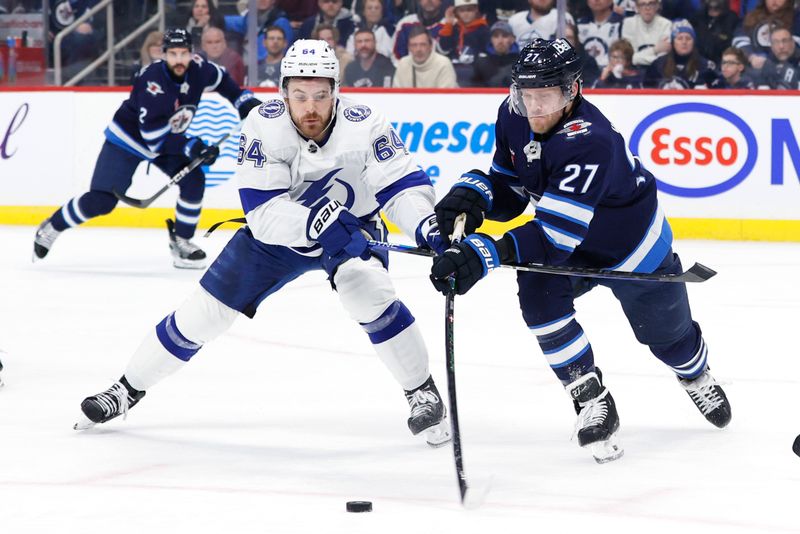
468 261
246 106
428 236
196 148
338 231
472 195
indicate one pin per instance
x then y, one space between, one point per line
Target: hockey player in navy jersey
150 125
314 172
596 206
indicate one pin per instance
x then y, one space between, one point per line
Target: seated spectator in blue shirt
620 72
493 67
683 67
752 35
331 12
268 15
734 63
369 69
782 68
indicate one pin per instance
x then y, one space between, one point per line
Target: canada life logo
695 149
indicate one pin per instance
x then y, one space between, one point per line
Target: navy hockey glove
196 148
468 261
338 231
428 236
247 105
472 195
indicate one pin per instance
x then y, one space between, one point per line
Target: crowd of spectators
670 44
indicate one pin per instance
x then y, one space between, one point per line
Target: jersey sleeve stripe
560 238
652 249
253 198
415 179
540 209
116 135
153 135
568 206
216 83
502 170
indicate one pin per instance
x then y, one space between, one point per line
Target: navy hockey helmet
542 64
176 38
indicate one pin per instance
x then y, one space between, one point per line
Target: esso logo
694 149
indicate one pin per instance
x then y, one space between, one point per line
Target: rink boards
727 162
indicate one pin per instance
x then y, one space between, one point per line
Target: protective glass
538 102
302 98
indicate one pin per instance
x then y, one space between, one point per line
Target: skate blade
606 451
438 435
83 424
186 264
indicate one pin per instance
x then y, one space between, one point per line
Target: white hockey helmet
310 58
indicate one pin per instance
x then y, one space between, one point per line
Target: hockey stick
180 175
696 273
449 345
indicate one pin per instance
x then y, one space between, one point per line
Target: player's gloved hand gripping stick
180 175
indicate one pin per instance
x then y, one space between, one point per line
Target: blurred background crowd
670 44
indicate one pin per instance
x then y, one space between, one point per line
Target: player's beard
312 124
178 70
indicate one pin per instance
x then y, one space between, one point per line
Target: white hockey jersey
363 164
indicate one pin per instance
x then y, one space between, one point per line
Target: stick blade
698 273
135 202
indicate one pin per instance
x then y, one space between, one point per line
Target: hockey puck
359 506
796 446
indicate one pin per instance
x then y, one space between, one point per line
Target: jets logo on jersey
576 127
181 119
154 89
357 113
272 109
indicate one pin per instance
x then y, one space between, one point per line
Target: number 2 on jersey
575 172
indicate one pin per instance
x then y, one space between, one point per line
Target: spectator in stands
202 15
590 71
298 10
269 70
215 46
81 46
151 49
714 25
782 68
330 34
679 9
333 13
369 69
372 19
429 14
465 33
620 72
625 8
423 66
397 9
540 21
752 35
493 67
682 67
598 31
268 15
648 32
733 67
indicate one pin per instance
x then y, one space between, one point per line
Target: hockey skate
709 398
43 242
428 414
185 254
114 401
598 421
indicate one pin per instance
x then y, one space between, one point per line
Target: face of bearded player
310 103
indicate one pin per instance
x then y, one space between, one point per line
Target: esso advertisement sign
695 149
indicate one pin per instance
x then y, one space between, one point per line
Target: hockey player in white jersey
314 171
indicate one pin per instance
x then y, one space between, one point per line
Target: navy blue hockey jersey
153 119
596 204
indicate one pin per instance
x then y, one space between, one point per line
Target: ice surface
279 422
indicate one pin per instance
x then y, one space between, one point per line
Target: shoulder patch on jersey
154 88
272 108
357 113
576 127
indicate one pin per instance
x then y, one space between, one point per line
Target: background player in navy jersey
150 126
596 206
314 171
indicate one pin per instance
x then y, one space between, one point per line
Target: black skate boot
185 254
43 242
709 398
114 401
598 421
428 414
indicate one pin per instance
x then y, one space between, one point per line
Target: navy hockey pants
658 313
114 171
